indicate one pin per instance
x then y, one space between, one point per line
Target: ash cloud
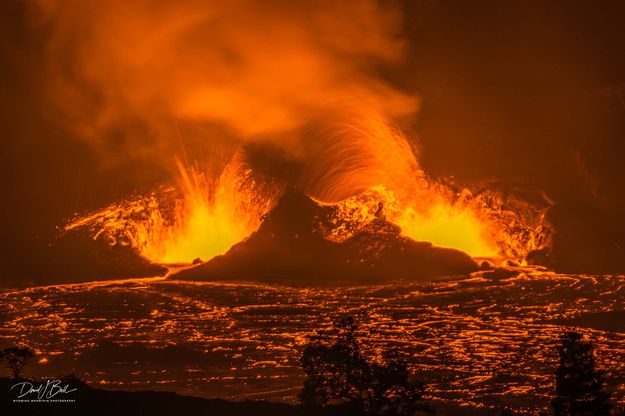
135 78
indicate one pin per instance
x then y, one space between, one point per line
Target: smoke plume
128 77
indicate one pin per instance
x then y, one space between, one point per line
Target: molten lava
199 218
369 168
208 219
360 164
447 225
485 225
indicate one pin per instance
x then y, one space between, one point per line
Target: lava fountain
369 168
360 164
198 218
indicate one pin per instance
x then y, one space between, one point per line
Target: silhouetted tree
619 410
338 373
579 385
15 359
335 373
394 390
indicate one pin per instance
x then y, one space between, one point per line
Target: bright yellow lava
206 223
430 215
447 226
205 219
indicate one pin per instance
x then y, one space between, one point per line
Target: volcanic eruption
190 88
195 191
356 163
196 218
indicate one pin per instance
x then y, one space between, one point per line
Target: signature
44 390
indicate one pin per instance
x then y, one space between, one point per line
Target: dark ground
90 401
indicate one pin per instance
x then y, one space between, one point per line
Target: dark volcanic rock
76 257
287 247
609 321
501 273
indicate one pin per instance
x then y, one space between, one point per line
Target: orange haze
124 75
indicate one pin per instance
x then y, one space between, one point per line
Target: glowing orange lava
449 226
362 166
208 220
366 166
199 218
476 224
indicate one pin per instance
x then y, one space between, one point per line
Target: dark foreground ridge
86 400
76 257
95 402
287 247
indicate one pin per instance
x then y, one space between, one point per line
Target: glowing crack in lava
200 217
